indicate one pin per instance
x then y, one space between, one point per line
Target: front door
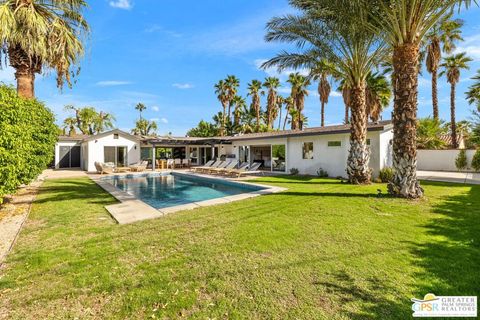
69 157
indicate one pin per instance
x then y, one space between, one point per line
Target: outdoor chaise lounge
230 165
103 168
139 167
216 164
212 169
207 165
241 166
245 170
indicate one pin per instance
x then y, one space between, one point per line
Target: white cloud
471 46
157 28
164 120
121 4
335 94
155 108
183 86
424 82
112 83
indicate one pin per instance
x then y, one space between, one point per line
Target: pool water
167 190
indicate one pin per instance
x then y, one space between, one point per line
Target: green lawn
321 250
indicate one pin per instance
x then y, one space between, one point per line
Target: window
308 150
278 157
115 136
334 143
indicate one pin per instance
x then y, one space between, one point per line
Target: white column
153 158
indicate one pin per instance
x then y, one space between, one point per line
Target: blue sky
169 56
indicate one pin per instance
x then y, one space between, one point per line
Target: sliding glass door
116 155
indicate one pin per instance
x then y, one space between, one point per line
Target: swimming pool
174 189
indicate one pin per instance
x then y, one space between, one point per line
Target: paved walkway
448 176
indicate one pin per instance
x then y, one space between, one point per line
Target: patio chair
177 163
209 164
252 170
102 168
231 165
170 164
186 163
241 166
222 165
139 167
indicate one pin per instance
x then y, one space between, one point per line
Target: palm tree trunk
322 124
405 87
25 82
222 129
452 116
280 117
359 155
435 94
347 116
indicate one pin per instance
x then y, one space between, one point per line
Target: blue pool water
167 190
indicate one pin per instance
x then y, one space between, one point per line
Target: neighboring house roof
447 139
114 131
75 137
335 129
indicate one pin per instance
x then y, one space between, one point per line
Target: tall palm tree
451 68
239 104
443 35
69 124
254 90
145 128
299 90
289 108
221 90
272 84
473 93
328 29
320 73
379 94
403 24
232 83
42 34
347 99
280 102
89 121
140 107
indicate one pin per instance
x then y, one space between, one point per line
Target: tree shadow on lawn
451 260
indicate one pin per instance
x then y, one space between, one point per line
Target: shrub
386 174
322 173
294 171
476 161
27 139
461 160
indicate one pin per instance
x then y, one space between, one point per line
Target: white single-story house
307 150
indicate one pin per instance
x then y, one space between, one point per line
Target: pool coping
131 209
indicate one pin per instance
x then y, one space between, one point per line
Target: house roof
335 129
75 137
114 131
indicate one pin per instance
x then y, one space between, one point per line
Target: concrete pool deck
130 209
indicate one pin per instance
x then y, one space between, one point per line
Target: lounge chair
231 165
102 168
207 165
177 163
241 166
222 165
139 167
252 170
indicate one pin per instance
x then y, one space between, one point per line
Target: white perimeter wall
331 159
440 160
96 149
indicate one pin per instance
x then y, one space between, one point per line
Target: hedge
27 140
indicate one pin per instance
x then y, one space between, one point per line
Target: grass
321 250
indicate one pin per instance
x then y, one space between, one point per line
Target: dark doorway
69 157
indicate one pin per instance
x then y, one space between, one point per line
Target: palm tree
443 35
103 121
403 24
279 107
232 83
145 128
379 94
290 107
254 90
89 121
272 84
221 90
69 124
328 29
140 107
320 72
347 99
239 104
42 34
299 90
451 68
473 93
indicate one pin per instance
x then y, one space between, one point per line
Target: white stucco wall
331 159
67 144
386 151
440 160
96 149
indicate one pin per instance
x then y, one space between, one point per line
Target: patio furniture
222 165
122 169
161 164
207 165
139 167
186 163
245 171
177 163
103 168
231 165
241 166
170 164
